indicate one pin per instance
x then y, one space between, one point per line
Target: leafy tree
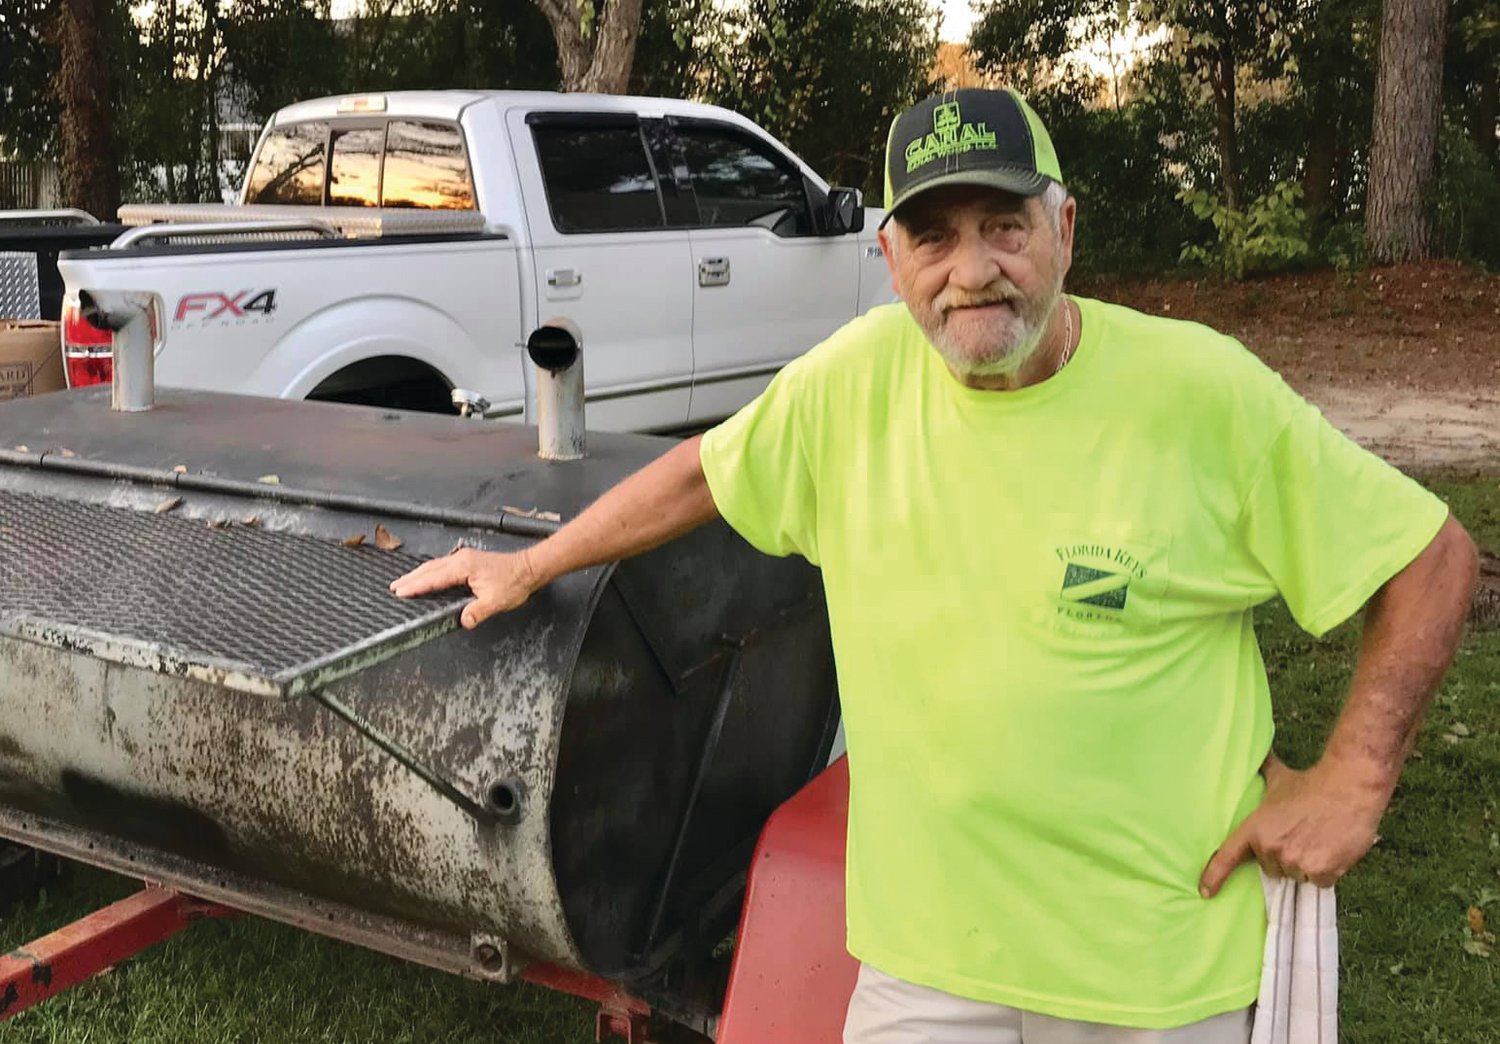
826 76
595 41
28 104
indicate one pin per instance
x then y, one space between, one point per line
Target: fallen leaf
1458 728
67 453
1397 968
456 548
250 520
270 480
23 449
1476 920
384 540
516 511
355 540
168 505
217 523
1478 948
181 469
549 516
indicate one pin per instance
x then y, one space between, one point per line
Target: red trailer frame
790 980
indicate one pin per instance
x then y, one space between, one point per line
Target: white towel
1299 983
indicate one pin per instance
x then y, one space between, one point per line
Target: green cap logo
950 135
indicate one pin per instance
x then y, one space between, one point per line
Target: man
1043 522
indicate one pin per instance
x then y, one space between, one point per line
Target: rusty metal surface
266 613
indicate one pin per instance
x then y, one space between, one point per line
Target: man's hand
500 582
1311 826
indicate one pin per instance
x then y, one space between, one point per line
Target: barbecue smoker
205 683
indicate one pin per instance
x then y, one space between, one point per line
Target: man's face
980 271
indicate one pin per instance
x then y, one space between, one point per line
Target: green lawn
1407 978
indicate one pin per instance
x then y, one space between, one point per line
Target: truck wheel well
390 381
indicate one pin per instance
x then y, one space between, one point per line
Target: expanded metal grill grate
263 612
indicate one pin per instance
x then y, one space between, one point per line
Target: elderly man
1043 522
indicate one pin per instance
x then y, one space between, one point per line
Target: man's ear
1065 223
888 251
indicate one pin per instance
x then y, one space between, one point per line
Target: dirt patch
1405 359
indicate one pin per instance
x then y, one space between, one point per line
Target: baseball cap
968 137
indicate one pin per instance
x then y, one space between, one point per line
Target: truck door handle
564 277
713 271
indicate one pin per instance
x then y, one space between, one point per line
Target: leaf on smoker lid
217 523
355 540
23 449
1476 920
456 548
250 520
67 453
384 540
549 516
517 511
168 505
181 469
270 480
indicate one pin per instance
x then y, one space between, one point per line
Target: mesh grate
265 612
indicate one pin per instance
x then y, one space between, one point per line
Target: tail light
86 350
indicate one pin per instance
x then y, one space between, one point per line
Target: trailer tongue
204 682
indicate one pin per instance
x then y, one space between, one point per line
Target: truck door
606 259
767 286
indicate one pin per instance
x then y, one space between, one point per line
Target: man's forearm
662 501
1412 630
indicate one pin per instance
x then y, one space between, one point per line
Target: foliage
1344 245
1467 196
28 108
825 76
1270 235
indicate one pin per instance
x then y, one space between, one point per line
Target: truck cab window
598 178
289 168
354 167
741 181
426 167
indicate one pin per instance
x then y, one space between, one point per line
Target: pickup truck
691 252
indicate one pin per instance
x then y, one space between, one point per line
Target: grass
1407 978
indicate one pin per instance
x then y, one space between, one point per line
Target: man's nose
974 264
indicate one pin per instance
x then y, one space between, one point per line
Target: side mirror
844 212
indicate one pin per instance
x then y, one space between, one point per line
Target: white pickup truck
694 253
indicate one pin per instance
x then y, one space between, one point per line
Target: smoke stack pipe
126 315
557 349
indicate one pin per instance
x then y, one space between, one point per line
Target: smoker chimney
127 315
557 349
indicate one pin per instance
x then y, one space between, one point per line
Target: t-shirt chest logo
1096 580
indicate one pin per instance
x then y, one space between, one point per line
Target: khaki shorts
886 1010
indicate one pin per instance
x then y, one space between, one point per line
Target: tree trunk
1322 149
1222 75
1486 112
597 61
1403 150
90 178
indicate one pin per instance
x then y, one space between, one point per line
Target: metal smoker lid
273 614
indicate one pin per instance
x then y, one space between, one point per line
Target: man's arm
662 501
1315 825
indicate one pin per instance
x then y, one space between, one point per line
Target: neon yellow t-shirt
1040 600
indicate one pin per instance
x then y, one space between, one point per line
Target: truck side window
289 168
426 167
598 178
738 179
354 167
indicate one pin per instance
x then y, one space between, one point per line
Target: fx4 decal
213 306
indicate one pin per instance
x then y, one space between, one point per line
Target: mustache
995 293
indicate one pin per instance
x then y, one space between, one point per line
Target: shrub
1270 235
